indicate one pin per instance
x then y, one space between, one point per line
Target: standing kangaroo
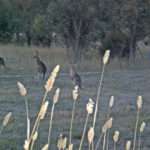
41 67
75 77
2 62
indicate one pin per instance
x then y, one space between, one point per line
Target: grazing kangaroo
75 77
41 67
2 62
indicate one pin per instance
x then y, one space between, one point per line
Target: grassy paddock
124 84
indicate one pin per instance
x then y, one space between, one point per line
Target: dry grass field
124 83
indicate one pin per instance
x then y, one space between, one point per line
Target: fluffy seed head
26 145
43 110
62 142
35 135
116 136
56 96
7 119
142 127
91 135
128 145
75 93
45 147
139 102
51 80
107 125
106 57
111 102
22 89
90 106
70 147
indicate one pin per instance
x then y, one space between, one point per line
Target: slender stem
98 95
98 142
104 141
139 142
89 146
71 124
50 123
92 145
27 115
135 130
84 130
107 142
114 145
32 144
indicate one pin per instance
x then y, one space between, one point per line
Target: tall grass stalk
55 100
111 103
23 93
139 106
84 130
142 127
89 108
75 94
116 138
105 61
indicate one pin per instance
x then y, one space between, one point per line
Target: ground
124 83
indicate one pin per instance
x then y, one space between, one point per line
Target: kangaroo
2 62
41 67
75 77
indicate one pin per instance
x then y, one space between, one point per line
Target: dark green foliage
78 23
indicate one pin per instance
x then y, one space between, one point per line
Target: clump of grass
89 108
139 107
75 94
43 108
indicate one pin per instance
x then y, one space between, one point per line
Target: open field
125 84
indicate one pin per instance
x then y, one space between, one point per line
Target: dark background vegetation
76 24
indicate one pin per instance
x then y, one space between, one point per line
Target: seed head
128 145
7 119
90 106
70 147
51 80
111 102
116 136
142 127
35 135
139 102
106 57
43 110
56 96
22 89
26 145
45 147
75 93
91 135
